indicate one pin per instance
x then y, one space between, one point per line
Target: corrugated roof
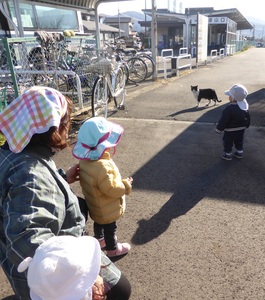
81 4
91 27
232 13
116 19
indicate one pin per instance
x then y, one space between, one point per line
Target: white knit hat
63 268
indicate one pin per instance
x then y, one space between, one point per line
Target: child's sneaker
226 156
238 155
102 243
121 249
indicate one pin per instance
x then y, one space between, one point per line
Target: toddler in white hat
234 120
63 268
238 93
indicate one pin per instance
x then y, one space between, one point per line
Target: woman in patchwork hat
36 201
233 122
101 182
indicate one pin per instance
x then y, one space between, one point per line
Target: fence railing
183 51
63 63
177 63
222 53
166 55
213 55
59 63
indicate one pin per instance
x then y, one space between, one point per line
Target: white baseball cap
239 93
63 268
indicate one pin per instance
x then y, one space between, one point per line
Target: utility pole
145 21
154 36
119 20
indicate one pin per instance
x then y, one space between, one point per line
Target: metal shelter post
19 21
154 36
97 26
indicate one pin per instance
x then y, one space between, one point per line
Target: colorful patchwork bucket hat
95 136
33 112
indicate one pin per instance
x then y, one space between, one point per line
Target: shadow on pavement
257 107
188 110
190 169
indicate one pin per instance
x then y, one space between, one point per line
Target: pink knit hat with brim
63 268
239 93
95 136
35 111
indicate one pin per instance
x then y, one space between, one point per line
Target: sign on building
202 39
217 20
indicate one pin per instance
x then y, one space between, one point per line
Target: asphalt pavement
195 222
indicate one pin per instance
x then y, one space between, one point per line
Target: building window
38 17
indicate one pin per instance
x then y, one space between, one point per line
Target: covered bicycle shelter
82 5
37 61
85 6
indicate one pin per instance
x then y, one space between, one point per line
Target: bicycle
60 69
148 59
110 84
138 69
145 56
135 67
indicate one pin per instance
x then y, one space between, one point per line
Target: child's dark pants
231 138
108 232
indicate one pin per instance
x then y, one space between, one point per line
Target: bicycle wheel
150 64
119 90
120 79
126 71
100 98
137 69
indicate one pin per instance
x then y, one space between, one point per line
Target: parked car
259 45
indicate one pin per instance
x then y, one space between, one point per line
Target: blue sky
247 8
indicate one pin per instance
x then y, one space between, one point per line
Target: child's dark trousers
231 138
108 232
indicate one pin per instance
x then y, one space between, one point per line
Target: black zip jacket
233 119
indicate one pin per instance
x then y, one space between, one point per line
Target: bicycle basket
103 66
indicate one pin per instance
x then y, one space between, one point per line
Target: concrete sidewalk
195 222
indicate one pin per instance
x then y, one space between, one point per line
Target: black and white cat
208 94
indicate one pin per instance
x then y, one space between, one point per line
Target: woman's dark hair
55 138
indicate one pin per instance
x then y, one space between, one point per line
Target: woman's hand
72 174
98 291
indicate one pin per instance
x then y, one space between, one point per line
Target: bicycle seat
129 52
72 53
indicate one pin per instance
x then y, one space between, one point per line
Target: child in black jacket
234 120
